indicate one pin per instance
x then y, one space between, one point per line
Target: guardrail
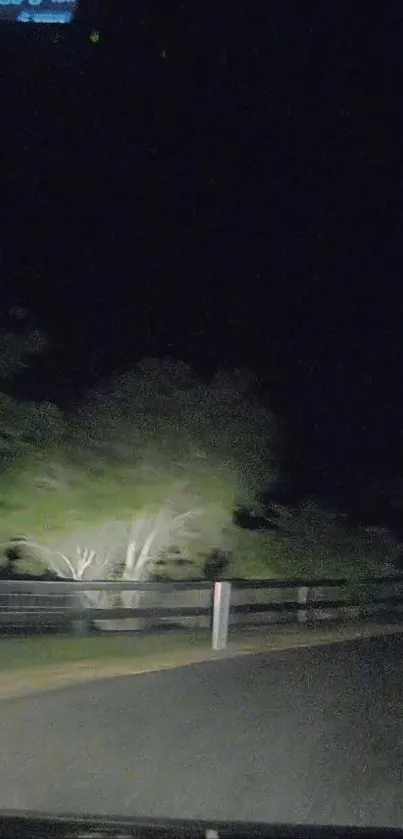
78 607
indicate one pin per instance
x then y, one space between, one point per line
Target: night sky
221 183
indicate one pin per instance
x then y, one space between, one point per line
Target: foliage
25 427
153 464
310 541
216 564
160 417
173 440
146 452
18 341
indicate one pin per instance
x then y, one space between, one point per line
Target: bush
216 564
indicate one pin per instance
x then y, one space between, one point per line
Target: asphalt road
311 735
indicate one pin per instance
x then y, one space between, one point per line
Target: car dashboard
40 826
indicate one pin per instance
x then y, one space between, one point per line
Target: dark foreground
311 735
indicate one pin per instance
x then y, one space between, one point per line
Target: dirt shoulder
115 657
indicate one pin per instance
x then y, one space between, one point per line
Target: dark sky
221 183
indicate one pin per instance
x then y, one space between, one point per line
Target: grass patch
25 652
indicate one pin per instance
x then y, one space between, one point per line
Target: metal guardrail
76 606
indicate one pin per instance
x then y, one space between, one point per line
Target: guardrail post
302 599
222 599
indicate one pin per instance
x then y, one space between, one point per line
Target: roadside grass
30 652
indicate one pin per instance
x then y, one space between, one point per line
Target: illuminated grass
20 653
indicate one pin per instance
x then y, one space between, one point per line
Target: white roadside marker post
222 600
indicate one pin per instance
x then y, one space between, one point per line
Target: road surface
311 735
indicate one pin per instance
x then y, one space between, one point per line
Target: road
310 735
